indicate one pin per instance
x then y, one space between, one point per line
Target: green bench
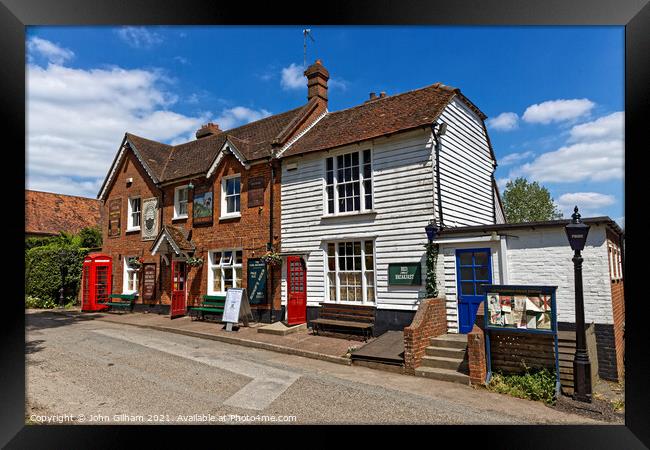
212 304
121 302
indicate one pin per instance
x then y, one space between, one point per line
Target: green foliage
37 303
528 202
538 385
43 271
432 262
32 242
90 237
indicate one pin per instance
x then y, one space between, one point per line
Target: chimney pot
382 94
208 129
373 96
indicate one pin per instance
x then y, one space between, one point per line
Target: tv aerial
306 32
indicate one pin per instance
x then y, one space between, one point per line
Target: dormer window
180 202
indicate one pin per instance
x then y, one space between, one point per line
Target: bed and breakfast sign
405 274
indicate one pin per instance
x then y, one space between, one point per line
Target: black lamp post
577 232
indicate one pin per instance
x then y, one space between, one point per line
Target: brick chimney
208 129
317 76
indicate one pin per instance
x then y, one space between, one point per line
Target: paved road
93 371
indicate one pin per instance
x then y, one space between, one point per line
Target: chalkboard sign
256 281
149 281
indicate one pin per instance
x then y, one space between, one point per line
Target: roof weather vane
306 32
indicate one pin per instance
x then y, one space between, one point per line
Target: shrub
538 385
43 273
37 303
90 237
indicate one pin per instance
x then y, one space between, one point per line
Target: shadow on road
34 346
46 319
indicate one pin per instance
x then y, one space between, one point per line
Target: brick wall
249 232
618 306
429 321
127 243
476 355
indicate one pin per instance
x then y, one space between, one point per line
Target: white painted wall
541 257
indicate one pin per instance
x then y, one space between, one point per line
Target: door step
459 364
442 374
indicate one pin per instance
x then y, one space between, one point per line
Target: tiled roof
48 213
253 140
176 235
376 118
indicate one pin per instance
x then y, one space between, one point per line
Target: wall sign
256 281
202 204
114 217
255 191
405 274
149 219
149 281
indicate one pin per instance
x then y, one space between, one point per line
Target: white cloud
293 78
611 127
514 157
51 51
593 161
338 83
76 120
589 203
139 37
239 115
505 121
557 110
501 183
594 151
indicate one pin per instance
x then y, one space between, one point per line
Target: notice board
114 215
255 191
236 307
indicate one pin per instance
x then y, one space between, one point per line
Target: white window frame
212 264
364 269
224 205
362 189
129 221
177 203
125 278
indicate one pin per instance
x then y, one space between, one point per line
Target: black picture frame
633 14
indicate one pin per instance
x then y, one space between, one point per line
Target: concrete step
442 374
450 341
445 352
444 363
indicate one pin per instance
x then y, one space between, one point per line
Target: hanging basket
135 263
272 259
194 262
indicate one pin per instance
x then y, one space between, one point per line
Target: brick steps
445 359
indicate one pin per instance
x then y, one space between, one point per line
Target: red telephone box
96 282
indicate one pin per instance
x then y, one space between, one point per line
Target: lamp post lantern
432 230
576 232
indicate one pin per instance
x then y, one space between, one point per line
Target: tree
91 237
528 202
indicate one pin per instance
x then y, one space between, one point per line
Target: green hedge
43 273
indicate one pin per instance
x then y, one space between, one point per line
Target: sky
554 96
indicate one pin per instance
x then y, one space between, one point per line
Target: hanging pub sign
256 281
405 274
149 281
149 219
202 204
114 217
255 191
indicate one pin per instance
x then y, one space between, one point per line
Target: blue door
474 268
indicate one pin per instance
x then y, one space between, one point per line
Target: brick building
47 214
215 198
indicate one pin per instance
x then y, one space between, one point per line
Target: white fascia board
461 240
236 153
171 242
301 134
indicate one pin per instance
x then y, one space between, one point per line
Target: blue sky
553 95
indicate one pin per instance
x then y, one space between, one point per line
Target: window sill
178 218
132 230
349 214
333 302
230 217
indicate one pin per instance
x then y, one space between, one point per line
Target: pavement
80 370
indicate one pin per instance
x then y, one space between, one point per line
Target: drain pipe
269 245
442 129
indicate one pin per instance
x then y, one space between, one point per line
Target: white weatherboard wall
402 204
466 168
540 257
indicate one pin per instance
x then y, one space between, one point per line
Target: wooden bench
335 316
213 304
122 302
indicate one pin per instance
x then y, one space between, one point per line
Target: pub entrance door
296 290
